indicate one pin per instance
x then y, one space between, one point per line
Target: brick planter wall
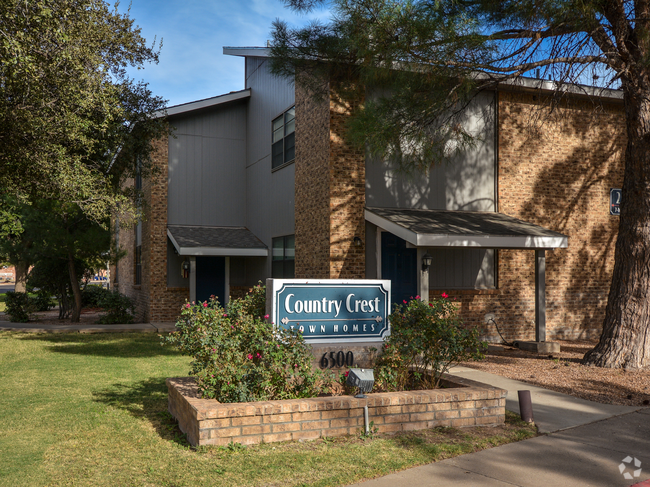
208 422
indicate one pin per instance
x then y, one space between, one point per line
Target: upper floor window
284 255
284 138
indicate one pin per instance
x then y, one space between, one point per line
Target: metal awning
445 228
213 241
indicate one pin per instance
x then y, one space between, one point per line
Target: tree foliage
417 62
62 244
73 126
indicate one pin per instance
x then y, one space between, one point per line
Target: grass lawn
2 303
92 410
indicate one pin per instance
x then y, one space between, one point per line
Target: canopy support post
540 295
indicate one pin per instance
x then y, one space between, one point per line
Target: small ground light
364 379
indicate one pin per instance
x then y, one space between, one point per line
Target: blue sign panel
615 201
327 311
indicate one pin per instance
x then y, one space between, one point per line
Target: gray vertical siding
207 167
174 270
467 183
270 194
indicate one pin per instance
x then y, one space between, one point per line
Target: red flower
417 297
404 301
348 372
250 356
205 304
444 295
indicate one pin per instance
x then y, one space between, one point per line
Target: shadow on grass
147 400
123 345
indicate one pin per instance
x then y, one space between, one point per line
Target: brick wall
330 192
208 422
155 302
312 183
555 170
347 199
165 303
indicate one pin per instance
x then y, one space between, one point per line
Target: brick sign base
460 403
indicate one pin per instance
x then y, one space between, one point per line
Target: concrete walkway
553 411
71 328
586 442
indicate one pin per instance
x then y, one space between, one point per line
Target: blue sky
192 65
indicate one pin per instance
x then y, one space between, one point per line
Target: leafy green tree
424 59
73 125
62 243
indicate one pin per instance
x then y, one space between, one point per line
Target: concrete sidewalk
166 327
585 445
553 411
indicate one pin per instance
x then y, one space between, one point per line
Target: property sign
615 201
332 310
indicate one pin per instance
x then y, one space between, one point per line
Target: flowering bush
426 339
238 356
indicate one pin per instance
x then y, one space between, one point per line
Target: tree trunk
625 340
21 277
76 291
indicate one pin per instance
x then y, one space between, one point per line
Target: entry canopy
445 228
214 241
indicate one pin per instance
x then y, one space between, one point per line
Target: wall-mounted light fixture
426 261
358 242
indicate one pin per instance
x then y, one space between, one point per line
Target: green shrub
120 308
42 301
426 339
18 306
92 295
239 357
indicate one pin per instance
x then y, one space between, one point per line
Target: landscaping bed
564 372
461 403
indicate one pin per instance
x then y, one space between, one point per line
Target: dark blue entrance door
210 278
399 264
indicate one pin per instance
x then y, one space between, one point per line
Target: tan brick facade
555 171
155 302
208 422
330 193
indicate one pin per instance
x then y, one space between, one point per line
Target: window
137 260
284 255
283 150
138 265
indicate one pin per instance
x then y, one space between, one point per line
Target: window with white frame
283 149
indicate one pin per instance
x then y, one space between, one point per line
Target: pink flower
225 315
295 365
404 301
266 317
232 327
417 297
347 373
444 295
205 305
187 305
259 355
250 356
